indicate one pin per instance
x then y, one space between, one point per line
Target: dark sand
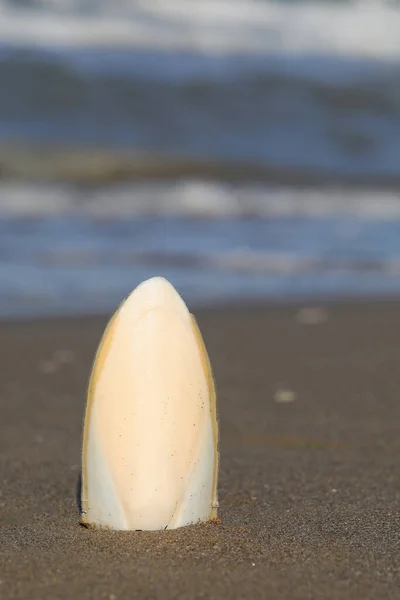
309 489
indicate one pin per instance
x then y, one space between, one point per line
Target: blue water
310 88
296 85
87 261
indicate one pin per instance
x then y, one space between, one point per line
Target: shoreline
291 305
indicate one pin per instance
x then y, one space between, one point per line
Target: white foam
366 29
195 199
25 200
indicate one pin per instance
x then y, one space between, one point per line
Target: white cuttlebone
150 443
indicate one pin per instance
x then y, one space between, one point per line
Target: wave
242 261
73 249
83 265
309 89
360 28
194 199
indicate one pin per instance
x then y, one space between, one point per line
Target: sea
247 150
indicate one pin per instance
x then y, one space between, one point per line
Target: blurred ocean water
307 94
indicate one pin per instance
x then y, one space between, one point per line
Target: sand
309 408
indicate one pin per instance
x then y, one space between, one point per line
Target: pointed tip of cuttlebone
150 443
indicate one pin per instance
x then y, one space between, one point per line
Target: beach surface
309 410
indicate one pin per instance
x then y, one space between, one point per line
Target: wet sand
309 409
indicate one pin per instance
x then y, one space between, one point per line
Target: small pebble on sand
284 396
59 358
312 315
